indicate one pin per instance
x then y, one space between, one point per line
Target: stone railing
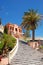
13 52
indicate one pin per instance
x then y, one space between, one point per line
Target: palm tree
30 21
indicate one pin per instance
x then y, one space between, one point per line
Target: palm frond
30 19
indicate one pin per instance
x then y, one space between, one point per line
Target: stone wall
34 44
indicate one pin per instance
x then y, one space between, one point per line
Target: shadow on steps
23 42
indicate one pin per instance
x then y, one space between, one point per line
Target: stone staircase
27 56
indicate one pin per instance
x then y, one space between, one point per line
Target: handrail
13 52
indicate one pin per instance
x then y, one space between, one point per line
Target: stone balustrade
13 52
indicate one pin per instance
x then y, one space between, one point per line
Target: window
20 30
10 28
15 29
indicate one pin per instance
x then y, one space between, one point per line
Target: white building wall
1 28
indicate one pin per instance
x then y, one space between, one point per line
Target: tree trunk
33 35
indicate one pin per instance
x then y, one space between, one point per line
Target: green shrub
11 42
7 41
10 46
1 45
0 52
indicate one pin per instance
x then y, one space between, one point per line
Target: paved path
27 56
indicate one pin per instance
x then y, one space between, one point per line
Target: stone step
27 56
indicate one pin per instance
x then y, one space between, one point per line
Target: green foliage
1 45
0 52
5 30
8 38
7 41
30 21
10 46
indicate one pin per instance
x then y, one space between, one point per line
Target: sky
12 11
